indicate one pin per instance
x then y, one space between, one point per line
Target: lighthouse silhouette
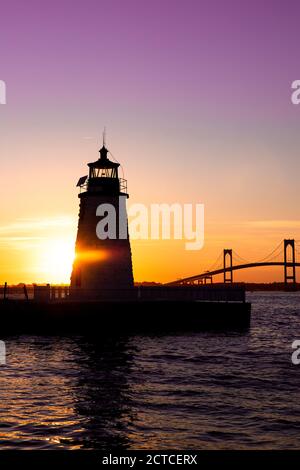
103 265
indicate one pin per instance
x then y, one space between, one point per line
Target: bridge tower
289 270
228 275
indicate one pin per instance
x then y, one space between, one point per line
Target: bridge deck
233 268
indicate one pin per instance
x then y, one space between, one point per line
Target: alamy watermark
295 96
156 222
2 92
295 358
2 353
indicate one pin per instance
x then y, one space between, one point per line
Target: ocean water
198 391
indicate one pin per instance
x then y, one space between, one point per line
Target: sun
57 259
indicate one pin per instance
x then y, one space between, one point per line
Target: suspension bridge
229 261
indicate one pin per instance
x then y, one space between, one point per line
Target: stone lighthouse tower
103 265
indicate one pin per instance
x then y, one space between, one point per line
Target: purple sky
240 53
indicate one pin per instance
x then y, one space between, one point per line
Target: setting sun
56 260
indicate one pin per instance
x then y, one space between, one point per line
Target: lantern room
103 176
103 168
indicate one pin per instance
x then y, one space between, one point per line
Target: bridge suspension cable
217 263
278 257
274 255
239 258
297 250
278 250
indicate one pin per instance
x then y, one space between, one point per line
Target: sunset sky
196 99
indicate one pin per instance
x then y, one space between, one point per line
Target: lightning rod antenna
104 136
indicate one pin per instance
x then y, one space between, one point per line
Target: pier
143 309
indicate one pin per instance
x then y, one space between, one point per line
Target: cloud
274 224
36 224
29 233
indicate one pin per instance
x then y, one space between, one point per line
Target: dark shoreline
276 286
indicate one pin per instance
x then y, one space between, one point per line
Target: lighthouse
103 265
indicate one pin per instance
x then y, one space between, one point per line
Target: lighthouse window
104 173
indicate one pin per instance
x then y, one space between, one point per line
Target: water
201 391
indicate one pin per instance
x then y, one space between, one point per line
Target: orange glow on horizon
42 250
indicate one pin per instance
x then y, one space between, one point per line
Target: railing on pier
46 292
33 292
208 292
